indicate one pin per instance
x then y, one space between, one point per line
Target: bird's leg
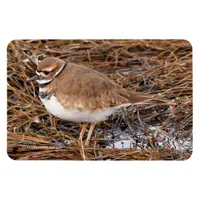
89 134
52 122
83 131
81 140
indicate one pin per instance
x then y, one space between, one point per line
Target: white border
103 19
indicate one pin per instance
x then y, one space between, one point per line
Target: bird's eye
46 72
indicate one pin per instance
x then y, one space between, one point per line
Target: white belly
55 108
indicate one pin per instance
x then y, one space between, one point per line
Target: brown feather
79 85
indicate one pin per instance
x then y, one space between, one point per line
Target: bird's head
48 69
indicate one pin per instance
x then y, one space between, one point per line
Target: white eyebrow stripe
44 81
41 74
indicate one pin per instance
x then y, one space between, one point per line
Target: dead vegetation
158 132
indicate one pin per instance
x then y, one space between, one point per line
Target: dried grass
161 67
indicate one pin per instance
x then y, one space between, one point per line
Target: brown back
83 87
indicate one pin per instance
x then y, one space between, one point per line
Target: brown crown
49 64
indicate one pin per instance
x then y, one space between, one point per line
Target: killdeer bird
76 93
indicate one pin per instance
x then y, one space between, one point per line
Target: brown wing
83 87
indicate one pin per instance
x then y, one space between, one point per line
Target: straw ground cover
155 131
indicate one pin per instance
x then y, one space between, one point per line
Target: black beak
32 78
